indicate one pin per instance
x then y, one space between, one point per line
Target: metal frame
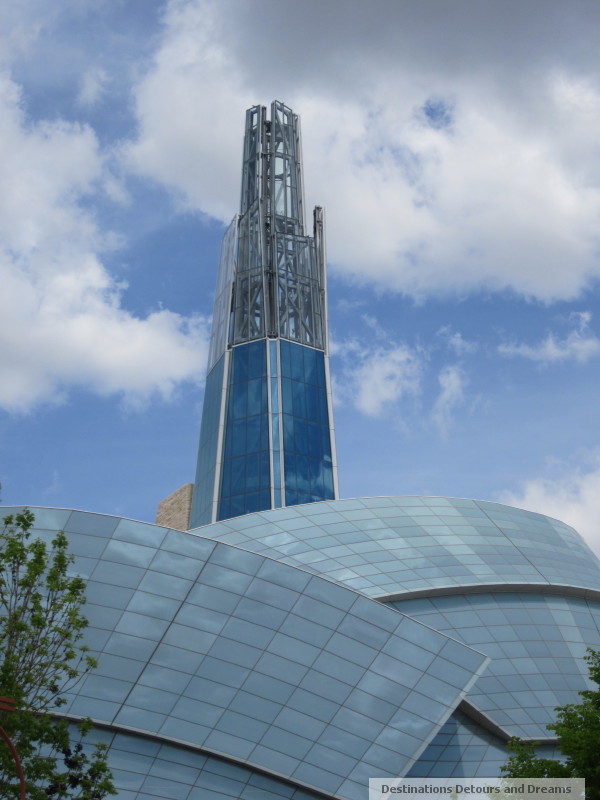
279 282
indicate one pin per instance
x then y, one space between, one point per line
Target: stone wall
174 511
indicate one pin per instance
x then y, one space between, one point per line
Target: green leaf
41 624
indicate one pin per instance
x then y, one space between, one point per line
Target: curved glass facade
384 546
536 644
226 672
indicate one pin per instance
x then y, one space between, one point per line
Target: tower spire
267 437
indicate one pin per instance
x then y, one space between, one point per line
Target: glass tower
267 438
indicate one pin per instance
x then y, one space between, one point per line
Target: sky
455 149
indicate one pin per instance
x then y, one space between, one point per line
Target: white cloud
434 183
452 380
61 319
190 109
376 379
573 498
579 345
455 341
21 23
93 86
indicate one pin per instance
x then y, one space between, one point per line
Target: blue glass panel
264 431
297 363
284 351
288 439
287 396
191 546
253 434
128 553
311 360
239 401
207 451
326 444
252 502
228 743
225 504
302 479
81 545
300 444
95 524
164 677
237 506
256 707
254 611
273 357
257 359
141 625
140 532
201 689
323 407
320 371
239 560
49 518
119 574
313 409
234 478
255 396
249 479
162 584
306 435
236 433
239 371
299 400
247 432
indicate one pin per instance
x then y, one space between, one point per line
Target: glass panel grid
459 555
535 642
520 651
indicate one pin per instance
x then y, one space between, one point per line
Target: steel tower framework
267 437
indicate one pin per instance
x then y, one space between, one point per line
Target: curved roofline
115 727
488 723
390 496
300 505
10 507
465 705
485 588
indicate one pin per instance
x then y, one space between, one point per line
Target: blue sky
455 149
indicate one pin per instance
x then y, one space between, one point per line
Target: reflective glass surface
306 426
150 770
536 644
204 487
463 749
245 481
306 684
384 546
255 659
222 308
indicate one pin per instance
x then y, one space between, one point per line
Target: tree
577 728
42 657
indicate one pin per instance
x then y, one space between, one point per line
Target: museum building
292 644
